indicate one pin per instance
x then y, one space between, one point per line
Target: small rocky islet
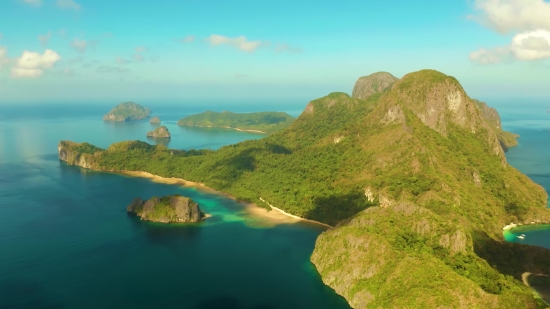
160 132
167 209
155 120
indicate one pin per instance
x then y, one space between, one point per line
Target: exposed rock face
506 139
160 132
167 209
155 120
372 84
75 154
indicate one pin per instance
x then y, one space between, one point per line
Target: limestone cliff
372 84
506 139
80 154
167 209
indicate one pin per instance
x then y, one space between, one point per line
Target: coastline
252 208
226 127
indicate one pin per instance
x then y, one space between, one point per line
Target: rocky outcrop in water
127 111
155 120
167 209
160 132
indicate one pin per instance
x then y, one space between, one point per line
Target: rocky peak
375 83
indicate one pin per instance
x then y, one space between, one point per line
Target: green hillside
265 122
414 178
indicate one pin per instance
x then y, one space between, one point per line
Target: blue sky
183 51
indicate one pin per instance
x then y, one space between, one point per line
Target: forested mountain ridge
414 178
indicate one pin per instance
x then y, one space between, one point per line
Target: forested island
155 120
127 111
167 209
412 175
160 132
262 122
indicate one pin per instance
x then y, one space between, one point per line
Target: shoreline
252 208
241 130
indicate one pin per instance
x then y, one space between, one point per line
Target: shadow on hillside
511 258
337 207
227 302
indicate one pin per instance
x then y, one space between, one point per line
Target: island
127 111
160 132
411 176
167 209
262 122
155 120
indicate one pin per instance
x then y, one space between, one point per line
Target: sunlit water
66 240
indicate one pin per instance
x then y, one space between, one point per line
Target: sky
253 51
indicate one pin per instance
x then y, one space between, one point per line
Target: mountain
372 84
413 177
507 139
262 122
127 111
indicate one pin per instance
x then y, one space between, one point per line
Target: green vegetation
166 209
127 111
507 139
265 122
420 206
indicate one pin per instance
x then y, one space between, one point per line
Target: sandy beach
275 214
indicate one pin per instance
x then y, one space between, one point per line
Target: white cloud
82 45
3 57
44 39
138 57
534 45
507 16
111 69
32 64
491 56
239 42
120 60
33 2
68 4
187 39
285 47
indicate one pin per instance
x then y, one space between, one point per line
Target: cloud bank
528 19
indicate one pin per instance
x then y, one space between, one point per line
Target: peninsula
412 176
262 122
127 111
167 209
160 132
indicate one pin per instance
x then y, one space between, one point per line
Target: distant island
127 111
167 209
411 174
155 120
160 132
262 122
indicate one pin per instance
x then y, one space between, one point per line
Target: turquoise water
532 157
66 240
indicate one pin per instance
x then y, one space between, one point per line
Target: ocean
66 240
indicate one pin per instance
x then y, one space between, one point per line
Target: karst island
261 122
410 172
160 132
127 111
167 209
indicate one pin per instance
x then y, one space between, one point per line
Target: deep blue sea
66 240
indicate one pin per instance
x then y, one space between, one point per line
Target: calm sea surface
67 242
